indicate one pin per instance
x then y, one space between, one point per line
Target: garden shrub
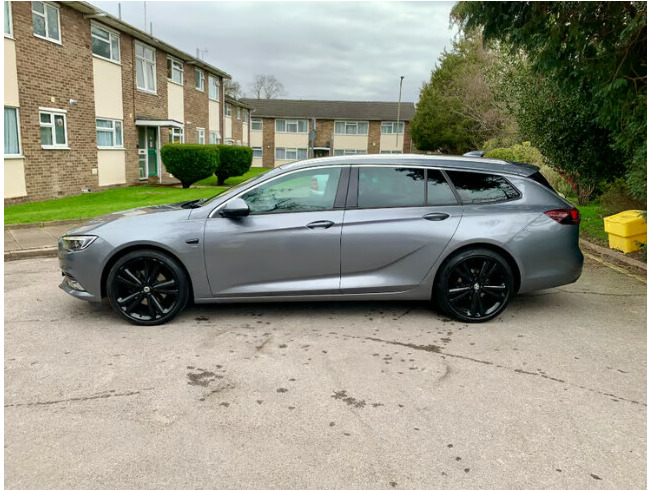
190 163
234 161
618 197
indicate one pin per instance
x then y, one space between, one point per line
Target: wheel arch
122 252
516 273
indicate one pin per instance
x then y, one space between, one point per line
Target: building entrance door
148 151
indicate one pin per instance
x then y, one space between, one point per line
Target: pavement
41 240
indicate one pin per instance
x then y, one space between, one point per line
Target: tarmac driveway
336 395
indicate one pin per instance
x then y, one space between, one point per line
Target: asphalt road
357 395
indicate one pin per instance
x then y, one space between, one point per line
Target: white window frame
112 36
145 73
245 115
201 80
53 113
228 110
20 144
291 122
239 113
351 124
290 152
343 152
213 84
45 17
214 138
255 120
258 149
392 124
178 69
113 130
9 20
177 135
200 136
391 152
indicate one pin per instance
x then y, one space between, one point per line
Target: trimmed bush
524 153
234 161
190 163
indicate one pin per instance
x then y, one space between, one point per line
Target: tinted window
476 188
383 187
307 190
438 190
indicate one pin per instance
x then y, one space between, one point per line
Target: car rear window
481 188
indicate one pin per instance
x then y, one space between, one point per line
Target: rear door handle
436 216
320 224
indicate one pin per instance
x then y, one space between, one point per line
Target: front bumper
82 270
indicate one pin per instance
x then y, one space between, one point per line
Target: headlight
75 243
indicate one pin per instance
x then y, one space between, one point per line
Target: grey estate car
467 233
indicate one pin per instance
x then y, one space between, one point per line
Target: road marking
616 268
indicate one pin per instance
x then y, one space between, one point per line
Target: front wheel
474 286
147 287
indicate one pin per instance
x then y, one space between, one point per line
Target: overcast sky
318 50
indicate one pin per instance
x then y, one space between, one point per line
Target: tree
595 49
267 87
188 162
232 89
234 161
457 110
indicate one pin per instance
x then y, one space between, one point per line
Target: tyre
474 285
147 287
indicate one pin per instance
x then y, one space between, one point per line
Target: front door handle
436 216
320 224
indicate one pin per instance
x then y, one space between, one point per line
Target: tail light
564 216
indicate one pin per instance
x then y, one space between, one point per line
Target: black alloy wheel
475 285
147 287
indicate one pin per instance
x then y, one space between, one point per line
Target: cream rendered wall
350 142
107 79
291 140
14 171
175 103
387 142
111 165
244 138
227 127
214 116
257 139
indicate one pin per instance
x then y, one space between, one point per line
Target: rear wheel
147 287
474 286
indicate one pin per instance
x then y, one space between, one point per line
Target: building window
215 138
256 124
245 115
45 18
338 153
200 136
175 71
109 133
290 126
177 136
105 44
389 152
228 110
11 132
350 127
9 30
145 68
392 128
53 129
213 87
257 152
290 153
199 79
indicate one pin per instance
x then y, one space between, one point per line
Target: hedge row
190 163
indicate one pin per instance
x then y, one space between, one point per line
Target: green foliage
235 161
457 110
213 181
618 197
190 162
593 54
524 152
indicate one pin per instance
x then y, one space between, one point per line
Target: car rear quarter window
389 187
438 191
476 188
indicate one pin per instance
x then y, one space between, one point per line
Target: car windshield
235 188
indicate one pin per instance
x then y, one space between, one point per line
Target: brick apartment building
89 101
287 130
236 126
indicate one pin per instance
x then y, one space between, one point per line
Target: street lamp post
399 103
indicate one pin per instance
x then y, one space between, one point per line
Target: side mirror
235 208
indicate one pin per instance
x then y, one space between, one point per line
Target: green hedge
235 161
190 163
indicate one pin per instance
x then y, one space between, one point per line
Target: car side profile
464 232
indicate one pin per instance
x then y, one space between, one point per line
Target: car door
288 245
398 221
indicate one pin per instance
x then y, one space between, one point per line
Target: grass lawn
103 202
592 227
